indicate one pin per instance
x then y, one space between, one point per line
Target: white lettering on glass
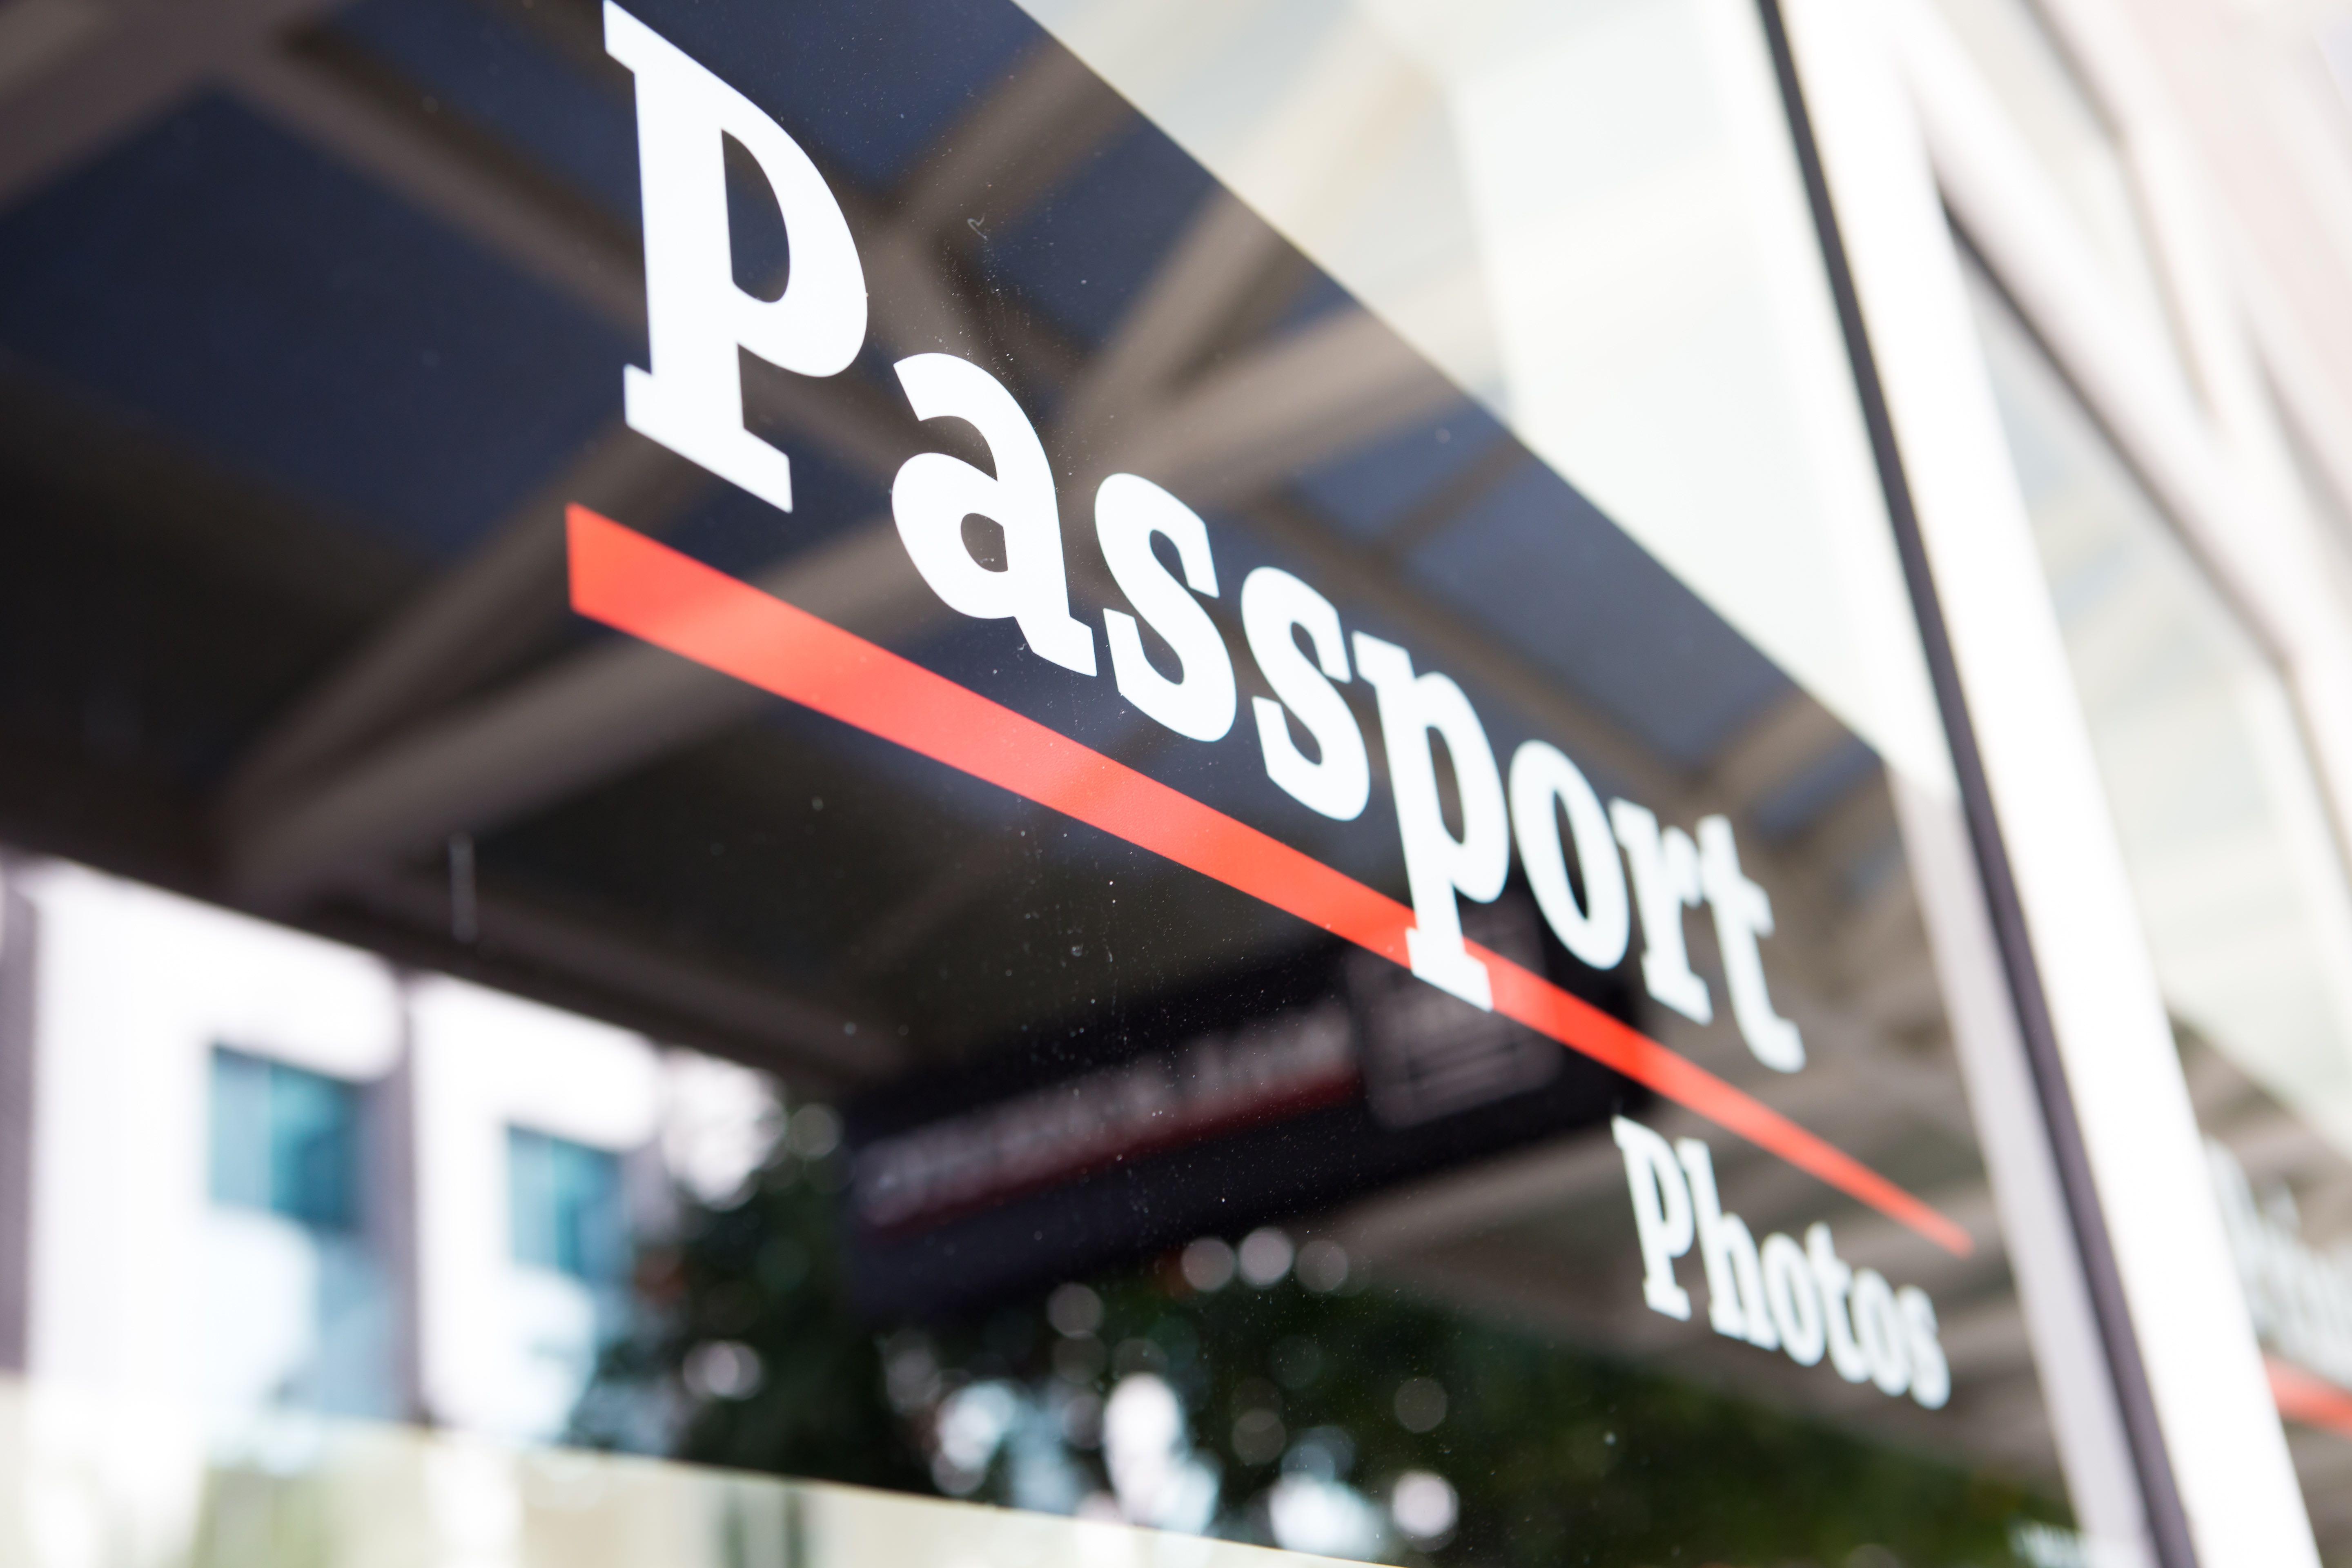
1879 1328
1337 781
1735 1270
1803 1300
697 320
934 493
1794 1299
1742 914
1415 710
2298 1292
1200 704
1597 931
1931 1374
1662 1220
1665 882
1836 1278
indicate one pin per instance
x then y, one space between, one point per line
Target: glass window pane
1304 804
2240 878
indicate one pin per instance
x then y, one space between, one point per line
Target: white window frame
1908 130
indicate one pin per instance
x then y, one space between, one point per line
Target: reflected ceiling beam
1222 252
1905 1088
471 621
1882 929
480 612
1343 377
1864 1085
1896 1251
1050 114
551 734
2215 1082
509 595
1987 1339
1776 747
1585 1166
886 942
118 73
1252 421
1854 826
2323 1462
1592 1299
809 1041
1864 1099
1904 997
2273 1143
1445 506
545 231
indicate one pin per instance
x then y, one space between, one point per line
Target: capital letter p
697 319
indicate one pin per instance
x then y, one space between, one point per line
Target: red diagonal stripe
628 581
2311 1400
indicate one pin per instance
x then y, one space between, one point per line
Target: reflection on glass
1483 176
300 1317
285 1141
1268 906
2239 876
2068 130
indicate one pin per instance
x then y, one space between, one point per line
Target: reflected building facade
340 1190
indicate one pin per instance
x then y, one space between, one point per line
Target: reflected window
566 1206
567 1296
285 1140
296 1308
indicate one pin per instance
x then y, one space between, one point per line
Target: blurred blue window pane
566 1206
286 1141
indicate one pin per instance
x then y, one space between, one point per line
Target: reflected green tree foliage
1317 1410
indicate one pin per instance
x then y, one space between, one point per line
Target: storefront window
2239 876
1335 985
